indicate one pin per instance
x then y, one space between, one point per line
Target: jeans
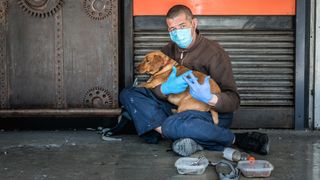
148 112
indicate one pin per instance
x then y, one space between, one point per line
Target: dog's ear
158 59
157 62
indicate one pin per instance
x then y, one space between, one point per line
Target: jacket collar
194 46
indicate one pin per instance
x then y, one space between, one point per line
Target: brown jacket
208 57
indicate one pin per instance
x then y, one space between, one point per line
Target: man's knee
168 127
125 94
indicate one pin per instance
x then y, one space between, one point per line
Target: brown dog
159 66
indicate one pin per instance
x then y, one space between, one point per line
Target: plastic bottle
231 154
235 155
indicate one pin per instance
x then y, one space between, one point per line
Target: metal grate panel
263 61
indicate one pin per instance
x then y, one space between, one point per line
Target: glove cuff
164 90
208 99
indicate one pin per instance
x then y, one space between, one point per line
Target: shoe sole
186 147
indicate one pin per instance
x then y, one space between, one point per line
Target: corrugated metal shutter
262 60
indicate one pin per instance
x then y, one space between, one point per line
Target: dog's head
153 63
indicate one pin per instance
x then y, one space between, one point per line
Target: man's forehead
181 14
181 17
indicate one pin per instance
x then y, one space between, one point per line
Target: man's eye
172 29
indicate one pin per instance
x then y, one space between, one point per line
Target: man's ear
195 23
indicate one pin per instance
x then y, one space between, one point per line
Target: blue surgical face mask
182 37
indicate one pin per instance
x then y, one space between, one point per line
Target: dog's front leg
147 84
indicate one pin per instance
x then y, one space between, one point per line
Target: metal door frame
128 42
302 65
317 67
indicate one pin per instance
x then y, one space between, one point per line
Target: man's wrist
163 89
213 101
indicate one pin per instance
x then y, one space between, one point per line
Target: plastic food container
187 165
257 168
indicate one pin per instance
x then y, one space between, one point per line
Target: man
191 130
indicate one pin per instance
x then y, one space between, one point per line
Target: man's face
181 21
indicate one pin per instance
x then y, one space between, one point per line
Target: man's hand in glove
198 91
175 84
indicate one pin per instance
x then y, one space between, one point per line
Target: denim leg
144 108
199 126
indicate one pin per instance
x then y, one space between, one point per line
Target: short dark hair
177 9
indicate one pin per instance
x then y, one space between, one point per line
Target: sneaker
124 126
151 137
253 141
185 147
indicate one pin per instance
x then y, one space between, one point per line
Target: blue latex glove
198 91
174 84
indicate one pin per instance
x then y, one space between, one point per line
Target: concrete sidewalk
84 155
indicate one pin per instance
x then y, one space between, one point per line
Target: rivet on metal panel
3 11
4 99
97 97
98 9
60 95
41 8
115 54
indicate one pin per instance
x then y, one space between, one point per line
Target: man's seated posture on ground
191 130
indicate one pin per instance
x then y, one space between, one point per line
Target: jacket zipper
181 57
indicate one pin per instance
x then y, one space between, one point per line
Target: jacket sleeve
157 92
228 99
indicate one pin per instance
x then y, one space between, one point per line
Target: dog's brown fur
159 66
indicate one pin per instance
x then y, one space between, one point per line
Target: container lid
186 165
256 165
